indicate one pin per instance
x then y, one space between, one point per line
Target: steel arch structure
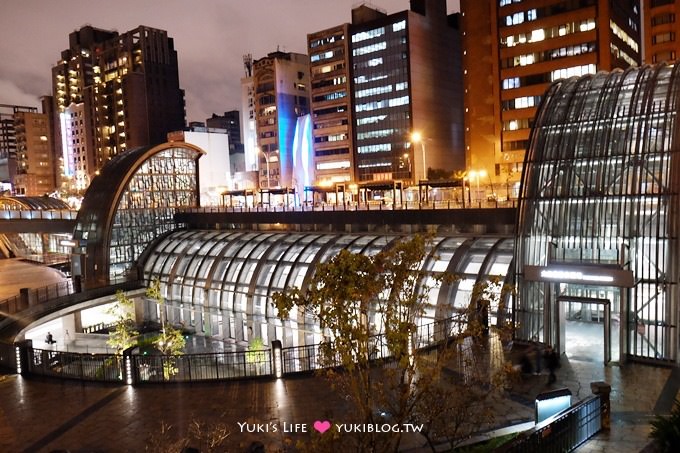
600 191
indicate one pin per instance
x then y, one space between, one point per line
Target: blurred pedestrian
552 362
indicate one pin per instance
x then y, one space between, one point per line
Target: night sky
211 37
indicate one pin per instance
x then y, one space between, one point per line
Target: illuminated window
343 164
364 35
537 35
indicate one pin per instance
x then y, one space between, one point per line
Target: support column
603 390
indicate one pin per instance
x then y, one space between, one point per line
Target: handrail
363 206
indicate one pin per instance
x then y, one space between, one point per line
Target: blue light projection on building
303 155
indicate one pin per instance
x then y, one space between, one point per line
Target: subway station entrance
588 328
584 308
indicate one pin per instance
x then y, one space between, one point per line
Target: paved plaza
45 415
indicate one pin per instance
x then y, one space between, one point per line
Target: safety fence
562 432
136 367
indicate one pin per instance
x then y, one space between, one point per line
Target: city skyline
210 45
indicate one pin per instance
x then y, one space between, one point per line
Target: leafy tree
124 333
171 341
255 353
371 305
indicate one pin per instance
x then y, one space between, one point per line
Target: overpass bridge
37 221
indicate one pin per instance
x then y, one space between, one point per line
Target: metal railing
98 327
33 296
20 302
364 206
562 432
300 359
193 367
54 291
201 367
73 365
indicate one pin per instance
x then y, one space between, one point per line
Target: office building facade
114 93
377 81
8 142
513 50
331 105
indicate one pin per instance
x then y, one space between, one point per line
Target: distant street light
477 175
417 137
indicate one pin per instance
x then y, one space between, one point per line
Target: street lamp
477 175
417 137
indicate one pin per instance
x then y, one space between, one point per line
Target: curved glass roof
601 187
221 282
32 203
132 202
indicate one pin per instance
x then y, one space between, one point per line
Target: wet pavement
47 415
41 415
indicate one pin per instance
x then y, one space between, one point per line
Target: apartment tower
514 49
114 92
35 163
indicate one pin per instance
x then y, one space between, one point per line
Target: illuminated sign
552 403
570 275
586 274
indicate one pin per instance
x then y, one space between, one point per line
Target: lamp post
417 137
476 175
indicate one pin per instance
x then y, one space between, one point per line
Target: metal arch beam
444 301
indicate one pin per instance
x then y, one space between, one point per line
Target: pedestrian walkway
46 415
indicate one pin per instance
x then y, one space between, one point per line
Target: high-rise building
275 93
661 28
113 93
331 105
35 162
376 83
513 50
